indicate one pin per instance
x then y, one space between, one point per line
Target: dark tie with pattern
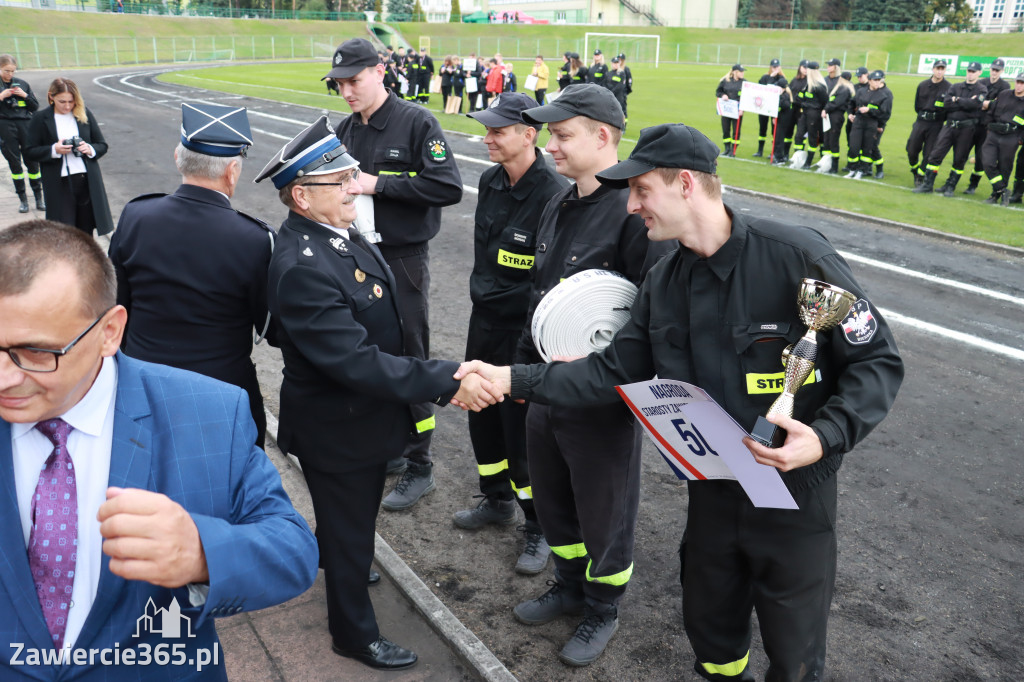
53 542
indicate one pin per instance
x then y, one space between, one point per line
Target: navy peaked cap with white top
315 151
214 129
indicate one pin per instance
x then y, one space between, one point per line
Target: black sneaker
560 600
397 465
590 639
417 481
489 510
536 552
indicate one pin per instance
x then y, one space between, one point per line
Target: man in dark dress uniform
191 270
347 389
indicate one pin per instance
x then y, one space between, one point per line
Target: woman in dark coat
72 182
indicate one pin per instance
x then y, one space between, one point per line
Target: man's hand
801 448
368 183
501 377
476 393
148 536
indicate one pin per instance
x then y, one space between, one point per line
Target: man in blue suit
144 508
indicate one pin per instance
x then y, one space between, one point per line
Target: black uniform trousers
1018 174
809 125
780 562
978 145
783 134
831 146
731 129
999 151
72 206
876 147
585 470
921 142
764 126
862 141
346 506
412 280
13 133
498 434
960 140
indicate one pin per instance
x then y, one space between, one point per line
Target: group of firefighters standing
985 115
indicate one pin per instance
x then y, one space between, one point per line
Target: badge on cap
438 150
377 291
361 276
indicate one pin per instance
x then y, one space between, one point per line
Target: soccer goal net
636 47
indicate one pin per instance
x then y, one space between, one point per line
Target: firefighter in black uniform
426 73
862 82
930 109
797 89
783 123
840 95
729 87
512 195
617 82
17 104
564 79
995 85
773 77
628 76
412 75
1005 134
347 381
578 70
408 170
598 72
962 104
812 102
584 463
872 110
832 73
875 152
720 309
191 270
1017 195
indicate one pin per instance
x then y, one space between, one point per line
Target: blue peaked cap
215 129
315 151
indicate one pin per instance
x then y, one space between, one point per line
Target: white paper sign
826 124
760 99
701 441
403 85
729 108
469 65
471 85
531 82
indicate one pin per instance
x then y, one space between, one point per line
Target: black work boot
37 191
927 183
918 179
950 187
23 205
592 635
561 600
489 510
417 481
997 196
536 551
810 158
972 186
760 150
1018 192
879 171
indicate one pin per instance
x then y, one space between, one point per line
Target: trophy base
768 434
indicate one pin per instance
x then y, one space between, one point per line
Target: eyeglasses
44 359
344 183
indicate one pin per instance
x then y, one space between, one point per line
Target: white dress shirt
89 447
67 127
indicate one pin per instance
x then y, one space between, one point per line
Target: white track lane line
967 339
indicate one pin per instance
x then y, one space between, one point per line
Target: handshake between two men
482 385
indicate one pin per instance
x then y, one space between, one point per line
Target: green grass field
683 93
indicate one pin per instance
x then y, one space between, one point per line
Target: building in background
998 16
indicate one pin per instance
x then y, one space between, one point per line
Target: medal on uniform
360 276
377 291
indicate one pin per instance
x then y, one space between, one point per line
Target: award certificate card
701 441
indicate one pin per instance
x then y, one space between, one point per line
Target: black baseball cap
862 70
876 75
567 54
846 75
813 65
351 57
669 145
1019 76
775 62
598 51
998 65
738 67
939 64
580 99
615 60
505 110
804 63
622 55
834 62
974 66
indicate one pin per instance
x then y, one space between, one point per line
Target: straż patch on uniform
437 149
860 325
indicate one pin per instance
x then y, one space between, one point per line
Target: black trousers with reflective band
736 558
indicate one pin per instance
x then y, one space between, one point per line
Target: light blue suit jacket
190 438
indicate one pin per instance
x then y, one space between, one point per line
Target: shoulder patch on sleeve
438 149
860 325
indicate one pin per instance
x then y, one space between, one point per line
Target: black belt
1002 128
928 115
965 123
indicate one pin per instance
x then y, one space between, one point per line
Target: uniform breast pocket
515 251
585 256
367 295
760 348
392 159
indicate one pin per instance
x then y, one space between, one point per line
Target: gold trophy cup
821 306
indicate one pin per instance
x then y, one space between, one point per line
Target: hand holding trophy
821 306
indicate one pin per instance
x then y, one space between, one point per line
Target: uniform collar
723 261
379 119
521 189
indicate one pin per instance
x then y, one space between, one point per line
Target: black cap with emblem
351 57
506 109
580 99
214 129
669 145
315 151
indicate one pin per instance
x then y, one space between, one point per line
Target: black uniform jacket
838 101
1007 113
192 272
779 81
992 91
963 101
879 104
582 75
598 73
815 97
505 238
797 88
564 79
404 145
592 233
42 134
928 98
858 369
347 388
730 88
15 107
